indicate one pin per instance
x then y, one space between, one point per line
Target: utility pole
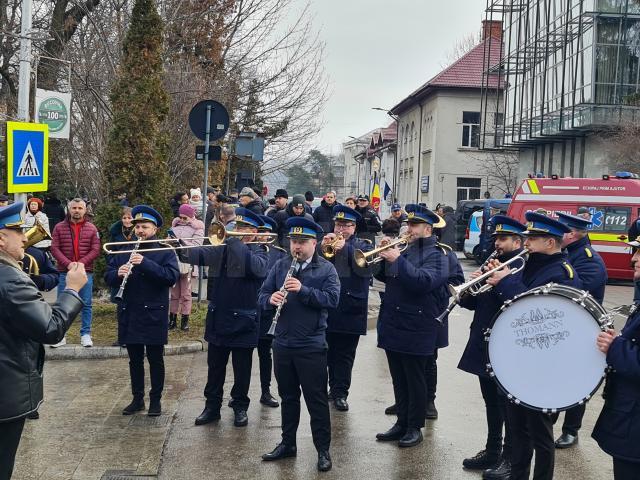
24 84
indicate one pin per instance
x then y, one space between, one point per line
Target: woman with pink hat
35 214
185 226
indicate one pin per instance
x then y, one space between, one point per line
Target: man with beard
323 214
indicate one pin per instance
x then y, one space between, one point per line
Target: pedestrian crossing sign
27 157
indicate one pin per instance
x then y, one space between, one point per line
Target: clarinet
285 292
120 293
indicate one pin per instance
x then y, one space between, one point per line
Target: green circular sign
53 112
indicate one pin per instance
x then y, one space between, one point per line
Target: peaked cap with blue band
10 216
506 226
346 214
538 224
420 214
247 217
268 223
300 227
573 221
145 213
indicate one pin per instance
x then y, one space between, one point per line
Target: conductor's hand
136 259
605 339
123 270
292 285
77 277
277 298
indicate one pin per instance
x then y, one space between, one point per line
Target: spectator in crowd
36 215
122 230
391 228
371 222
323 214
397 213
308 198
122 200
233 193
4 200
195 200
448 232
213 209
350 202
296 208
634 232
227 216
180 198
54 210
251 201
185 226
584 213
76 240
281 198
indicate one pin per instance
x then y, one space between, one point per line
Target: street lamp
396 118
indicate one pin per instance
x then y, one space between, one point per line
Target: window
468 188
470 129
610 219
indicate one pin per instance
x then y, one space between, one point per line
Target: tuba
36 234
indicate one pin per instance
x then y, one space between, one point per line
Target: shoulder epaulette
588 252
444 247
569 269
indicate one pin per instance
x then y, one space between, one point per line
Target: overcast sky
378 52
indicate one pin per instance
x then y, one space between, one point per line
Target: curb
77 352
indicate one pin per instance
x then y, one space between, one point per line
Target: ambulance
613 201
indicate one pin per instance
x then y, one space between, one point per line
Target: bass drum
541 348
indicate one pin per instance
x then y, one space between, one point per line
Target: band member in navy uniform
38 266
508 243
533 430
593 274
143 313
236 271
300 346
347 322
617 430
266 316
416 293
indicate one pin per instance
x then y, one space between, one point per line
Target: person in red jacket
76 240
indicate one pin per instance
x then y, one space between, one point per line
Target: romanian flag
375 193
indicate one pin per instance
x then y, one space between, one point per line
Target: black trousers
156 369
409 387
264 356
340 358
306 370
496 412
10 433
217 359
573 419
531 431
431 375
625 470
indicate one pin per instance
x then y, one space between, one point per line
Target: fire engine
613 201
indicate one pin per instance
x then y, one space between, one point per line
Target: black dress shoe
268 400
208 415
392 410
502 471
281 451
240 418
482 460
432 411
155 408
341 404
410 439
394 433
566 440
136 405
324 461
173 321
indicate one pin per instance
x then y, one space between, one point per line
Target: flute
285 292
120 293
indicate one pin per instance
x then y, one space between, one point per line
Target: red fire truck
613 201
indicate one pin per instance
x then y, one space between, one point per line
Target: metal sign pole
204 191
25 73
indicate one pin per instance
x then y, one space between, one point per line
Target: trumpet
478 285
36 234
329 249
364 259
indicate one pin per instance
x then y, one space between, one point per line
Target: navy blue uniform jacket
617 430
48 278
351 314
485 307
303 319
236 271
266 316
143 312
416 293
590 267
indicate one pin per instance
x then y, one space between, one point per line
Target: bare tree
462 46
622 146
500 169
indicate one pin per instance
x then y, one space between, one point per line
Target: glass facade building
568 67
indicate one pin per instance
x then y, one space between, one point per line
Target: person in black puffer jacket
323 214
370 221
296 208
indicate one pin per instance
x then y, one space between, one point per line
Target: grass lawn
104 327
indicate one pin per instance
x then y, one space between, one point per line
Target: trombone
329 249
364 259
217 235
478 285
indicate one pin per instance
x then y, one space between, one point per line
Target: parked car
463 215
472 236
